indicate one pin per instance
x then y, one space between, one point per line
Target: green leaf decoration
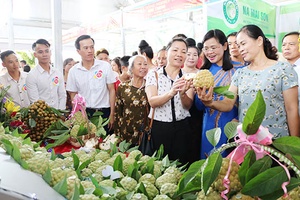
31 122
189 196
84 164
118 164
141 189
56 126
160 152
47 176
76 193
8 146
113 149
108 190
94 181
129 195
16 154
288 144
148 167
59 132
53 155
250 158
279 192
82 131
27 140
133 171
81 142
230 130
255 115
58 142
166 161
15 133
75 160
62 187
58 137
223 90
266 182
98 192
24 164
211 170
56 111
23 136
81 190
37 145
213 136
190 180
123 146
296 160
258 167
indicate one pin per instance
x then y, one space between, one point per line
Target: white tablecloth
14 180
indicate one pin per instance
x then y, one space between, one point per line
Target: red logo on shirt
55 80
98 74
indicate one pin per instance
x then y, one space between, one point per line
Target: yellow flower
10 107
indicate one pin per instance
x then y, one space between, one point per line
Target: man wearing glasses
45 82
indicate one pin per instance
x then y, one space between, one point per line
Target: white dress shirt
92 84
49 87
17 91
296 66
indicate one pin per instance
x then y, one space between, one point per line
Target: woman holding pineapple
217 61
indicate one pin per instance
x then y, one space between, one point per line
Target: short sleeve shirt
17 91
272 82
164 112
49 87
92 84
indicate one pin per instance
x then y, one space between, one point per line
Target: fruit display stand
17 183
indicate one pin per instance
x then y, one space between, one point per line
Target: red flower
13 114
15 123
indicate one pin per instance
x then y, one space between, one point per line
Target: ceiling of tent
31 20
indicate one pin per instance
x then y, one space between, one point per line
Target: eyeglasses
212 49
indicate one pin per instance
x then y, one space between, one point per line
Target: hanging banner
289 20
153 9
231 15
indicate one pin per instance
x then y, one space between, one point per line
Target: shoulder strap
151 121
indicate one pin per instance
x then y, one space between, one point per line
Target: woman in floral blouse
131 102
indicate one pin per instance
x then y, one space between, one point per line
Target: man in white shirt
45 82
94 80
15 79
290 51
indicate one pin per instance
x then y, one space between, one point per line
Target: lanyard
172 100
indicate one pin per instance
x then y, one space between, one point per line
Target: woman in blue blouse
217 61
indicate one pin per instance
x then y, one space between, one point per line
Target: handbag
146 142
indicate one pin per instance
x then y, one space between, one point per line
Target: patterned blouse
164 112
130 112
272 81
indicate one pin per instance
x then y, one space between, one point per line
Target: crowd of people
128 89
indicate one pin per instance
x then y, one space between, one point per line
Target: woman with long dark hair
217 61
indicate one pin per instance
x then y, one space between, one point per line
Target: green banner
231 15
289 20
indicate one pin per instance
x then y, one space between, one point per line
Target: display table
17 183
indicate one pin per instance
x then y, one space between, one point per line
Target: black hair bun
200 45
143 44
190 42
